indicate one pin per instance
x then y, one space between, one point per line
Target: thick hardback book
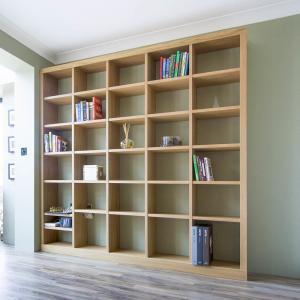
207 245
200 245
195 245
196 171
186 69
177 64
97 111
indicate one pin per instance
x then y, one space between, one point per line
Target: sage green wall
274 147
17 49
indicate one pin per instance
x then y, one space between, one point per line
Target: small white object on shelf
92 172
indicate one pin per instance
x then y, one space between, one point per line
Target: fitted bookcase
147 201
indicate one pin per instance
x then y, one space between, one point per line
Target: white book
208 169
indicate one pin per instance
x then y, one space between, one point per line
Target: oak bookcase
146 204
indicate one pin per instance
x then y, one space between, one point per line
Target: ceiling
69 29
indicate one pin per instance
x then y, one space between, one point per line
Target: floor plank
48 276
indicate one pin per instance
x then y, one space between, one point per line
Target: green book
176 64
196 167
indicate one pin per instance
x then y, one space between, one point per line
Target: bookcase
145 205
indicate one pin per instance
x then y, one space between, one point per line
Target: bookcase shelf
143 209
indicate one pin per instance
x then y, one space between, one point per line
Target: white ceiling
63 30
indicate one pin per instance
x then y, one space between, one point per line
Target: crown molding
260 14
27 40
264 13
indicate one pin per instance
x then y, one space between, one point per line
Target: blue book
200 245
164 68
186 69
195 245
167 67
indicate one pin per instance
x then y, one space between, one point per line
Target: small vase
127 144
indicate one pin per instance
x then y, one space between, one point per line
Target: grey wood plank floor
48 276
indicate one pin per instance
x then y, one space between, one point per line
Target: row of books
202 168
89 110
54 143
202 245
174 66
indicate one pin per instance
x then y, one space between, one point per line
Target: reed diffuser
127 142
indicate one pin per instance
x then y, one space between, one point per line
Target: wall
274 147
9 186
31 212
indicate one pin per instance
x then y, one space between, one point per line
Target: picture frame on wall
11 142
11 172
11 117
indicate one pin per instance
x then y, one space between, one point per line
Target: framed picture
11 172
11 117
11 144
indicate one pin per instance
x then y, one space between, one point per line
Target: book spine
164 69
50 141
206 246
200 245
208 169
177 64
186 70
183 64
161 59
203 169
180 63
199 168
87 111
196 171
195 244
46 142
167 67
81 111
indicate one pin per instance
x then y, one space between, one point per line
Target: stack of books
89 110
202 245
52 224
174 66
202 168
92 172
54 143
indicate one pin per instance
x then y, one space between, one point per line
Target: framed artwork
11 172
11 144
11 117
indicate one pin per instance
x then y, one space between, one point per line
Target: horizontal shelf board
100 123
90 152
127 181
217 147
58 228
128 252
176 83
171 257
128 151
59 99
59 126
58 154
169 216
170 116
217 77
90 211
140 119
57 181
128 213
94 248
217 219
223 265
169 149
168 181
89 181
91 93
60 244
132 89
218 112
58 215
218 182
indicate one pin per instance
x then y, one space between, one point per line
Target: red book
97 109
161 67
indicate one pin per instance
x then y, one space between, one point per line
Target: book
208 169
183 64
180 64
196 171
186 69
177 63
207 245
161 60
97 109
195 245
200 245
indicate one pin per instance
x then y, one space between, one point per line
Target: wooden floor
47 276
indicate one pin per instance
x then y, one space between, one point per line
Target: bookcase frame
112 64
